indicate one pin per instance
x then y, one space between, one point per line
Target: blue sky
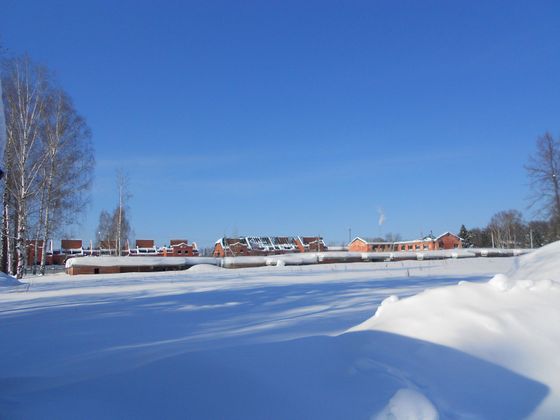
285 117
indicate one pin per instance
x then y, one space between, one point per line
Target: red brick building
310 244
31 247
143 247
179 248
68 248
369 245
446 240
231 247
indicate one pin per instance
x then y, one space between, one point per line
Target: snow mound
542 264
204 268
408 404
387 301
8 281
511 321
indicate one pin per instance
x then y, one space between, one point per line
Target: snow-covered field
288 342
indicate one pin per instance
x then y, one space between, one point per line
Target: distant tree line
507 229
48 162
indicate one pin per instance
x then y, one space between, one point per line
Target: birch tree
114 228
110 226
25 86
48 160
122 228
68 172
104 233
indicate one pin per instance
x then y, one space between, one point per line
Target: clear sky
302 117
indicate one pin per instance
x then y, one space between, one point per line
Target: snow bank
8 281
409 404
204 268
543 264
511 321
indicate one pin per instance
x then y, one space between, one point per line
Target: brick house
271 245
71 247
179 248
311 244
143 247
448 240
231 247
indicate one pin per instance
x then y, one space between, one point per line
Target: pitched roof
370 241
448 233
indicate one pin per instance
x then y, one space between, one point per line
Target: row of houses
224 247
234 247
267 245
446 240
273 245
75 248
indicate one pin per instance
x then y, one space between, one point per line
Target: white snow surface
409 404
449 339
511 321
9 281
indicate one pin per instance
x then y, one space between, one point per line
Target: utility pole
531 236
349 235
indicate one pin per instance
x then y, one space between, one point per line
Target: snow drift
9 281
511 321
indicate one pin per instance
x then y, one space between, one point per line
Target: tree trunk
20 244
9 224
46 234
5 233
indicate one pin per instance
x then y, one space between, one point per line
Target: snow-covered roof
448 233
308 240
429 238
370 241
110 261
263 243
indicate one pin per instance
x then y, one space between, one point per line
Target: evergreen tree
466 236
